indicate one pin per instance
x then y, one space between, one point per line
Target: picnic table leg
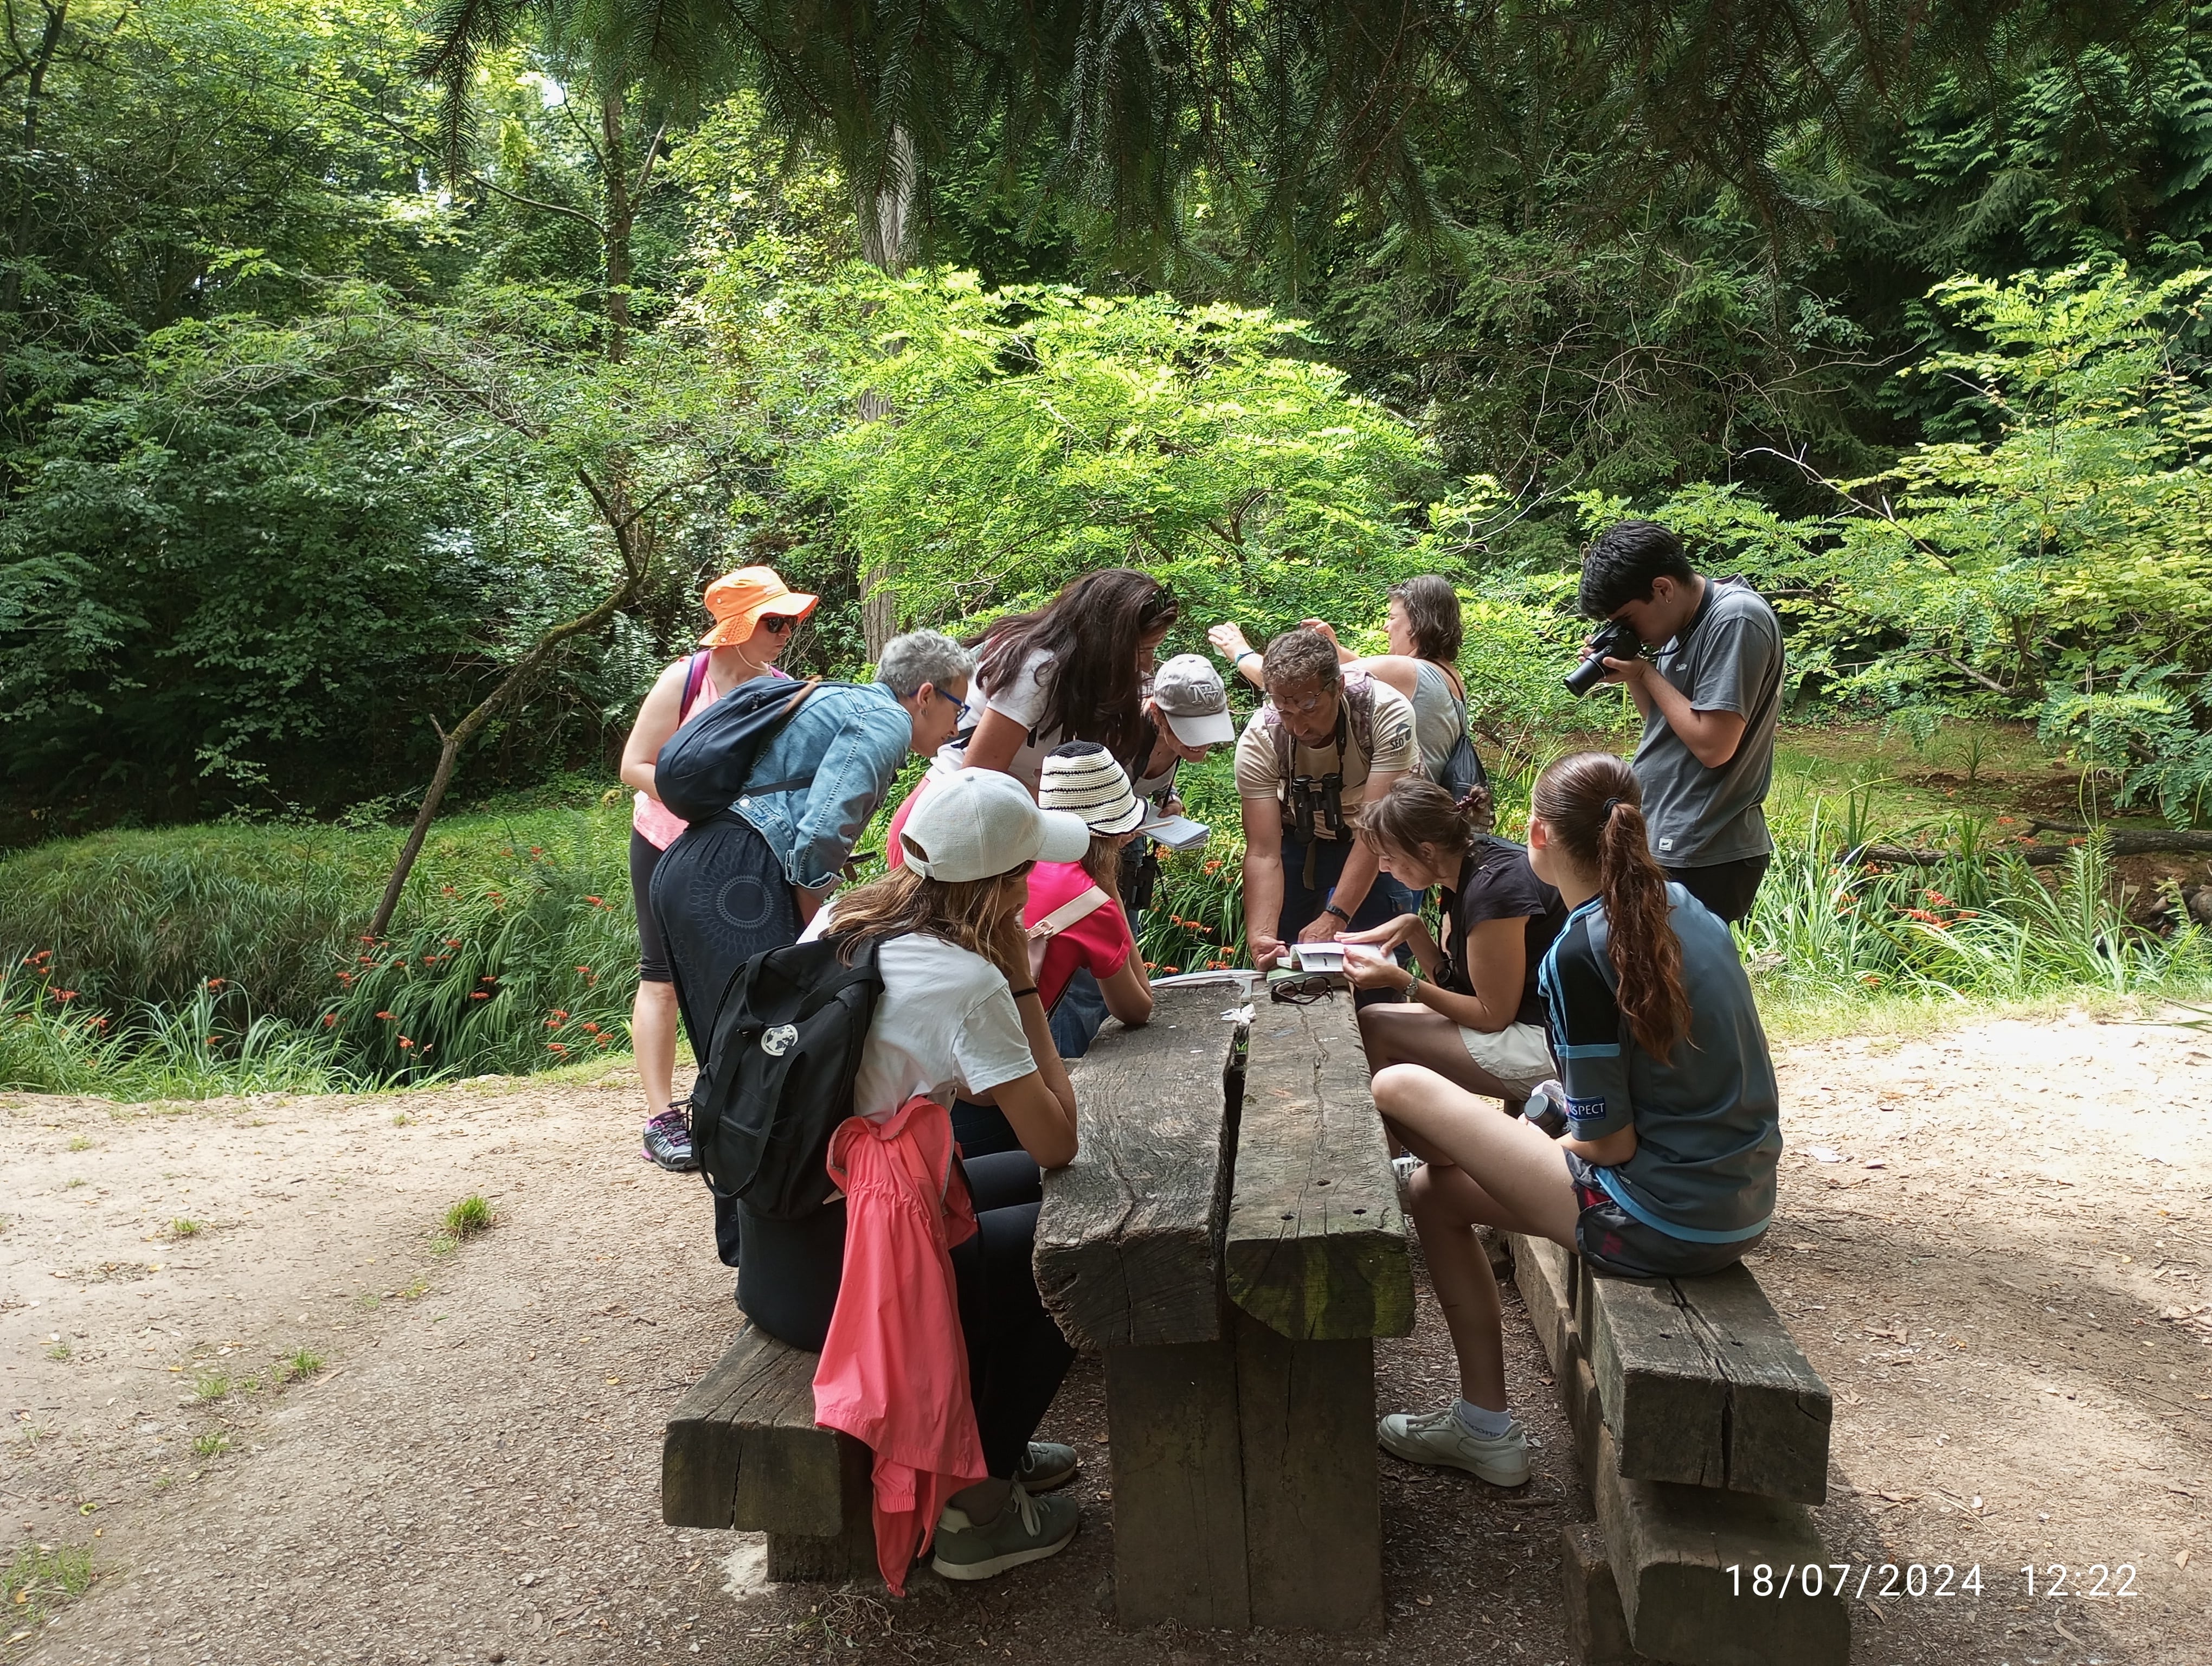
1313 1495
850 1553
1179 1532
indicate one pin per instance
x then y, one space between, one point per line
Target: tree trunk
621 213
50 41
636 555
884 214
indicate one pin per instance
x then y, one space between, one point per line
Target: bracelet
1249 654
1032 990
1331 908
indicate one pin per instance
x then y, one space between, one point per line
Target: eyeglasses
776 623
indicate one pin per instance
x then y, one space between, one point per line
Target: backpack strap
693 679
1359 703
1081 906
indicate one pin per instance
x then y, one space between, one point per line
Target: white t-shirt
1023 700
945 1024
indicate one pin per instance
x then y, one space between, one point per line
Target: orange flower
597 901
479 995
384 1016
585 970
591 1029
555 1046
65 995
329 1018
217 982
403 1042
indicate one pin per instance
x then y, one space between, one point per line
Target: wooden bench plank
1703 1384
1126 1241
1316 1243
1670 1545
742 1450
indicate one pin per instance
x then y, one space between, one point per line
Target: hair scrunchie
1611 804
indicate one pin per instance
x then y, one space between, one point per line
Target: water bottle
1547 1108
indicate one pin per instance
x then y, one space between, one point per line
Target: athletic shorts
1614 1242
652 949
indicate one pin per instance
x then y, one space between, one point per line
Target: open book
1176 832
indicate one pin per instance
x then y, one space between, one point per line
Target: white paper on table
1176 832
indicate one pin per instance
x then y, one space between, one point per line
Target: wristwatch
1331 908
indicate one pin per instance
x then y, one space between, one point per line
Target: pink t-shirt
1100 941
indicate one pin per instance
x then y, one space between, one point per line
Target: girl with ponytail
1667 1168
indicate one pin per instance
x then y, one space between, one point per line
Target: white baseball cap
1188 692
976 823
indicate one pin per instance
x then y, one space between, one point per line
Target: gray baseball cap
1188 692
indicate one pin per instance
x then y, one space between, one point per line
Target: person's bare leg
1444 1214
1519 1173
652 1044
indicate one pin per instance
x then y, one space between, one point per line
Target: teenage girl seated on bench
948 925
1673 1130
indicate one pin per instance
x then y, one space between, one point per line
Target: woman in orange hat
755 613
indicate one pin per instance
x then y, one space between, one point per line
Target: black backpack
702 771
779 1077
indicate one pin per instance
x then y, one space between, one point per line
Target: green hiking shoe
1025 1529
1048 1464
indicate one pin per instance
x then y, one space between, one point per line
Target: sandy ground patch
1993 1243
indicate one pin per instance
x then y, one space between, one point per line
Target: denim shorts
1615 1243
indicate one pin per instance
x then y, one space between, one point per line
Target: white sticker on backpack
777 1042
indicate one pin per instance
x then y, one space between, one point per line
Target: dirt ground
1993 1245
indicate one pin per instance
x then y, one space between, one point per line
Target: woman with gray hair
750 877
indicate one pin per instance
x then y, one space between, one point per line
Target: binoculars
1316 797
1617 640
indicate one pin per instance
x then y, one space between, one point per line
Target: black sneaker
668 1141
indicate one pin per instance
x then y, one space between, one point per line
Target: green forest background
363 367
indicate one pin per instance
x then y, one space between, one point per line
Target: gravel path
1993 1247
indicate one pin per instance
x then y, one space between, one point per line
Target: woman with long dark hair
1672 1131
1073 670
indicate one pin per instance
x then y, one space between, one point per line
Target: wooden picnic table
1228 1237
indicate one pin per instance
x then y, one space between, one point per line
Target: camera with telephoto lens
1618 641
1317 799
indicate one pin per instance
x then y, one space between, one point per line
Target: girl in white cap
959 1015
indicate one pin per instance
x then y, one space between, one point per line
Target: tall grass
203 960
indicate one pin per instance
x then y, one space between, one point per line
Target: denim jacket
814 786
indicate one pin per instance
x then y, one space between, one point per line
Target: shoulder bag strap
693 679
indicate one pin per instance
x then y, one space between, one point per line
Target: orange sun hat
737 599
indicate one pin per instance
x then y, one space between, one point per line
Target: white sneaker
1440 1439
1403 1167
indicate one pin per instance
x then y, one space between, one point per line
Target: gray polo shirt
1708 1119
1727 658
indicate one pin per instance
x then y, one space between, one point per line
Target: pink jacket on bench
894 1370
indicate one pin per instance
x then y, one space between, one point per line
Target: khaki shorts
1518 1056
